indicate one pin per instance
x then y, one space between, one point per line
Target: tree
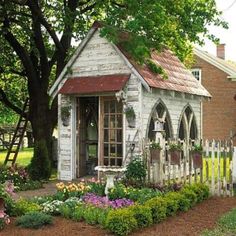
36 38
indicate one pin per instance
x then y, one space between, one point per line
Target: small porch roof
94 84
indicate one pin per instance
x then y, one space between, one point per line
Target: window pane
106 137
113 135
119 135
119 150
119 162
106 150
112 150
119 121
112 107
112 161
106 121
106 106
106 161
119 107
112 121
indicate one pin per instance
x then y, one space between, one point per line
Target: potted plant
65 115
197 156
175 151
155 150
130 116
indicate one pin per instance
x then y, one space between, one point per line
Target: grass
23 158
226 225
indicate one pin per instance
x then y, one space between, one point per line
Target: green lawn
226 225
23 158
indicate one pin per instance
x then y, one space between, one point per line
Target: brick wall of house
219 114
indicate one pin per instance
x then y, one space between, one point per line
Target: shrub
136 170
158 208
142 214
143 194
172 204
201 191
24 206
40 159
189 194
34 220
121 221
183 202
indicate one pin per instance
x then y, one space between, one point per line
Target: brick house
219 78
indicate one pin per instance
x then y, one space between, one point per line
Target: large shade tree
36 41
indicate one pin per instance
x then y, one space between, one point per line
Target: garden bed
192 223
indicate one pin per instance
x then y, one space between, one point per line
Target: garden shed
108 104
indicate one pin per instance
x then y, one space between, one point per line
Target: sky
228 37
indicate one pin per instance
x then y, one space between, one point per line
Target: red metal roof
94 84
179 77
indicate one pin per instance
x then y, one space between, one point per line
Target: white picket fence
218 170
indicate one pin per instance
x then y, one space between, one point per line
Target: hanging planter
130 116
155 152
197 156
175 151
65 115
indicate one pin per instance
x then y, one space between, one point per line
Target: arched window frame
188 122
154 115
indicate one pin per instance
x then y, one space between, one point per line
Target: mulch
191 223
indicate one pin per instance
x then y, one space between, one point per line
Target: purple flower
104 202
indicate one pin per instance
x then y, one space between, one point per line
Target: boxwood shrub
142 214
121 221
158 208
34 220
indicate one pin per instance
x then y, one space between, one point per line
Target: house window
188 126
112 133
197 73
160 112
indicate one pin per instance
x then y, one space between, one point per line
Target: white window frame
200 74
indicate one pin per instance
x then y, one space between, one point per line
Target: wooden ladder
18 135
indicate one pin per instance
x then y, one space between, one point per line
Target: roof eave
215 63
53 90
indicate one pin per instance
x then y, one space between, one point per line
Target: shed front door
87 138
111 132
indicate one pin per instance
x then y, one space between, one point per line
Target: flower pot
65 121
131 122
155 155
197 159
175 157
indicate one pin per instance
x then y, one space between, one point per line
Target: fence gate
216 167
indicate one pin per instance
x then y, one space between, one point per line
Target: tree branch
37 11
38 39
4 100
20 51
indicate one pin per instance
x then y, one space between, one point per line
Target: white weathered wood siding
175 103
99 58
65 141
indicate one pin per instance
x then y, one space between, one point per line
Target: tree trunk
30 139
42 123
